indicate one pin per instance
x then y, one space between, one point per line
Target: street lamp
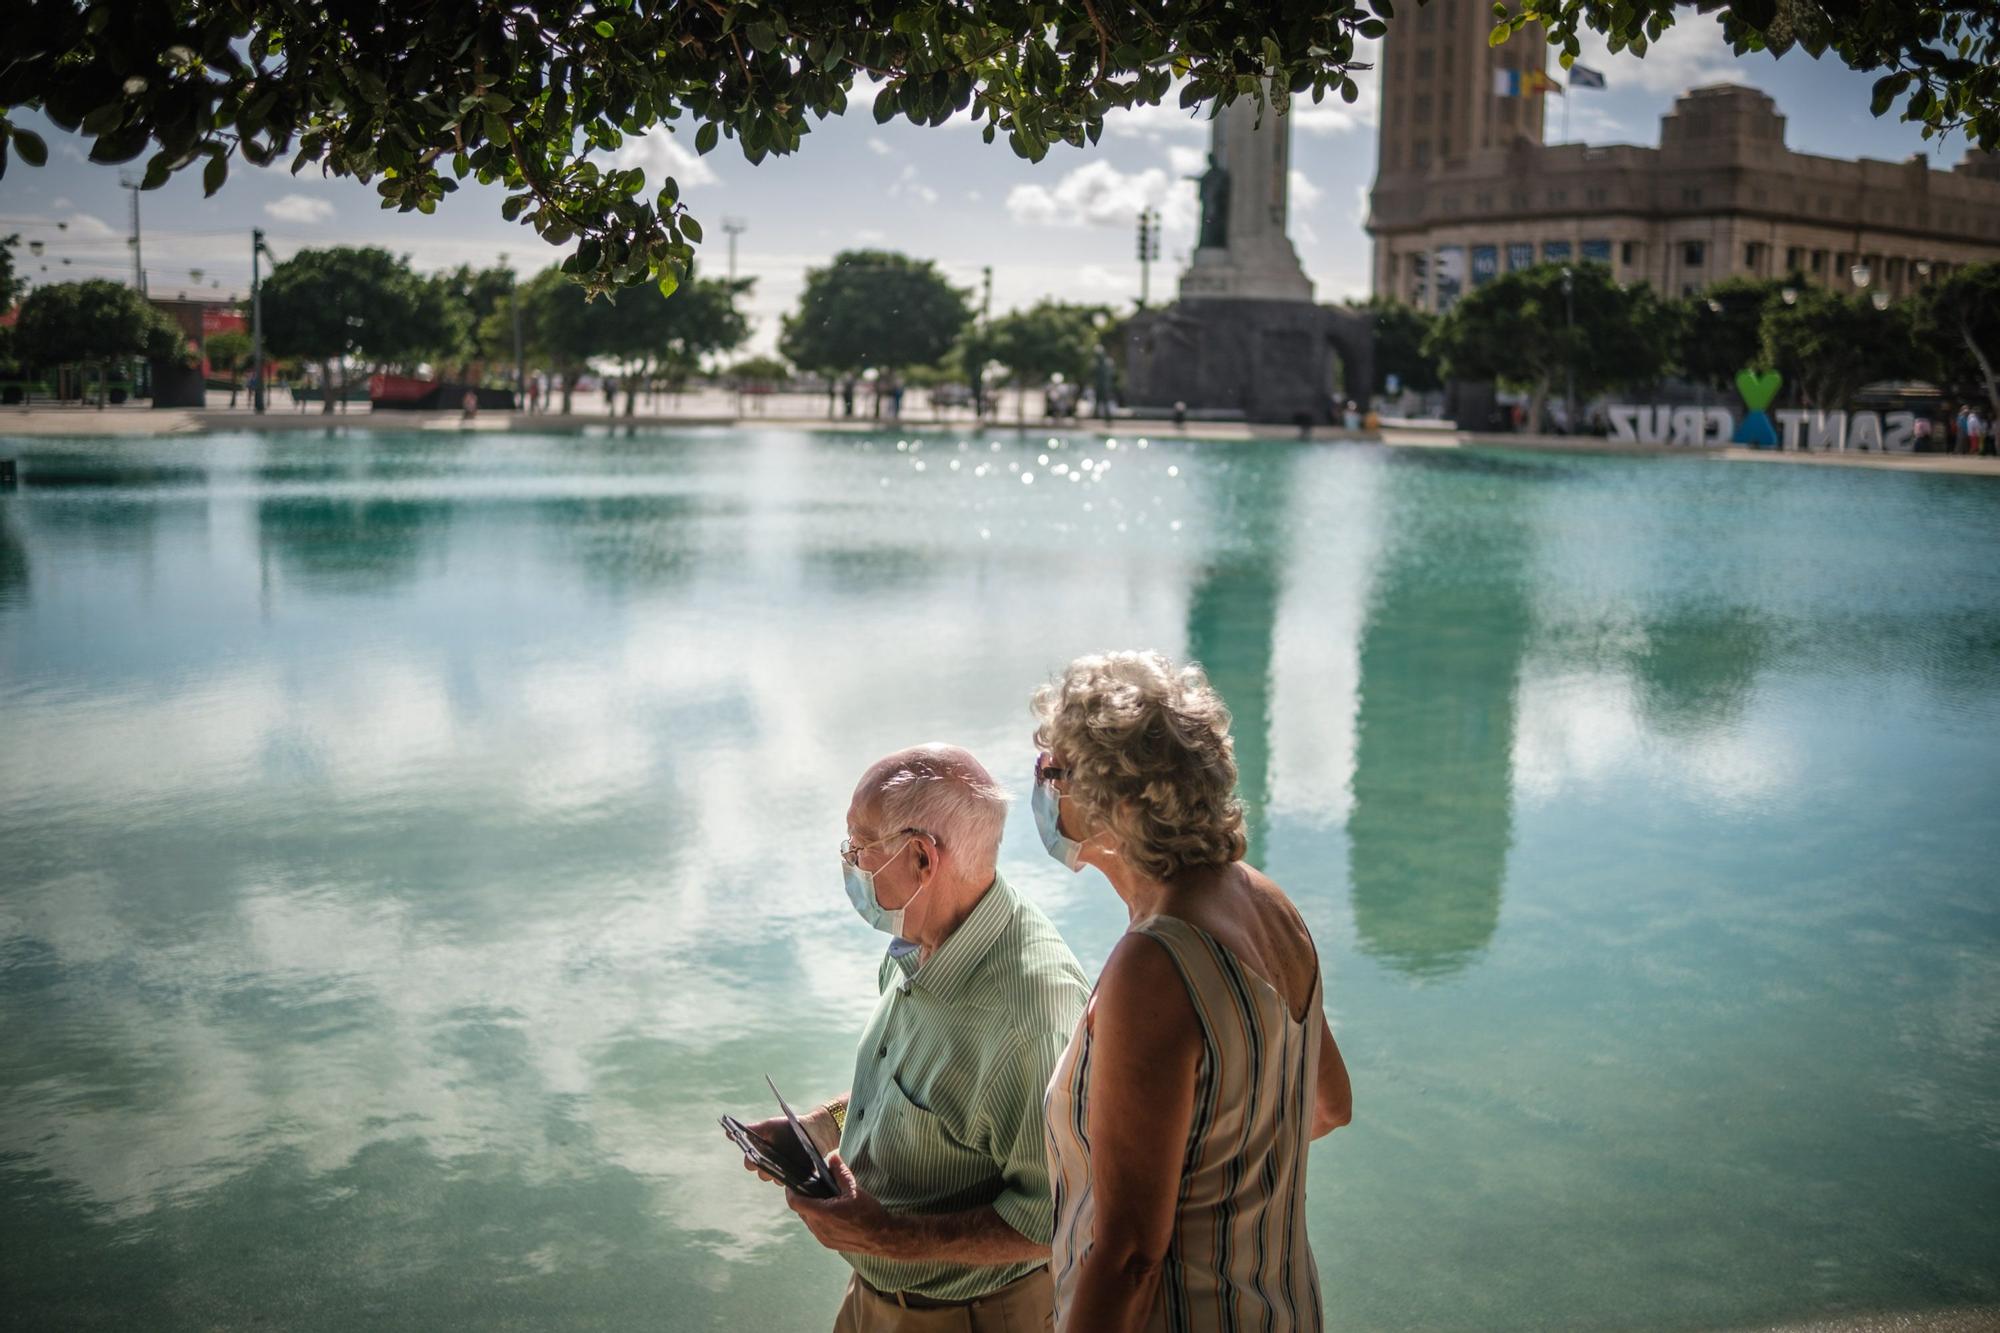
1790 295
1861 273
1880 300
1569 351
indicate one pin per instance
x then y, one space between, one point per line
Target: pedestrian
1180 1113
937 1150
1975 431
1921 431
1958 428
610 395
847 397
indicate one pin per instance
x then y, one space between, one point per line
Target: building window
1555 252
1520 254
1753 256
1557 198
1819 261
1427 18
1628 253
1518 199
1420 151
1483 201
1421 109
1690 194
1444 145
1694 253
1596 252
1424 63
1794 255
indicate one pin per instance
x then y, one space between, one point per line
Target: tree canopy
538 95
1828 345
1721 328
873 308
1047 339
1958 320
94 322
1400 333
1522 330
357 302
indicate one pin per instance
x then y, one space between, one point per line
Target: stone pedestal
1245 338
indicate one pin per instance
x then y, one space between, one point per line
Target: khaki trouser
1025 1305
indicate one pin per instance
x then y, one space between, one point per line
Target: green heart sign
1758 387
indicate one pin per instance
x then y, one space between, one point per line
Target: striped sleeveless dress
1239 1258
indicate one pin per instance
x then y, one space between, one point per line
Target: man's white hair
954 802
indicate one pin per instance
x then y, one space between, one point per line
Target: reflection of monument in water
1433 808
1232 620
1245 336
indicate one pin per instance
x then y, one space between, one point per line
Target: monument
1245 338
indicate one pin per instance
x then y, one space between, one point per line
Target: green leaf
761 35
691 229
705 137
670 282
1497 36
604 29
31 148
214 174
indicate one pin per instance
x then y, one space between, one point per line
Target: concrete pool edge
144 423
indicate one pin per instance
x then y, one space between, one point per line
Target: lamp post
257 251
1569 350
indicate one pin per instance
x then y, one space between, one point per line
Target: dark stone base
1286 361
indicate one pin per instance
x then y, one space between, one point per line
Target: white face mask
861 892
1047 805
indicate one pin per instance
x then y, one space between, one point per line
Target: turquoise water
412 842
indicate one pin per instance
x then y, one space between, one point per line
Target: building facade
1465 189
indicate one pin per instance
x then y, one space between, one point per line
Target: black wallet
797 1163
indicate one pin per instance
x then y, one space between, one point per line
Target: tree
1721 330
478 324
873 308
560 326
1941 56
535 93
1400 331
93 323
1958 319
1047 339
644 331
11 283
229 352
760 370
348 303
1828 346
1522 330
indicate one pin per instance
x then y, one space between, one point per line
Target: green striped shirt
946 1108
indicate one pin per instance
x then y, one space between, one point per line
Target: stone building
1465 189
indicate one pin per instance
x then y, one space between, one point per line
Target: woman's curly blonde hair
1149 756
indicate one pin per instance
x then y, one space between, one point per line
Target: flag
1506 83
1582 76
1537 81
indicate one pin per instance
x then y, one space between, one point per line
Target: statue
1214 187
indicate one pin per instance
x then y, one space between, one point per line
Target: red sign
221 319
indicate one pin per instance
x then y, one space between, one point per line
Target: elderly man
944 1186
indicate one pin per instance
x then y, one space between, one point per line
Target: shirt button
881 1051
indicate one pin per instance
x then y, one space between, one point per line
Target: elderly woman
1179 1115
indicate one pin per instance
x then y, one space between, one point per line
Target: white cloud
908 186
1186 159
661 154
302 208
870 236
61 201
1689 54
973 196
1304 193
1360 215
1096 277
877 144
1098 194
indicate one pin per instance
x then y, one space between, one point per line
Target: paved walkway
141 421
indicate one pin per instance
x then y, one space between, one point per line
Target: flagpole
1565 119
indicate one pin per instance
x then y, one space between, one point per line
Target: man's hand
851 1222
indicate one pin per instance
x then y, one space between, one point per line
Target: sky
1063 227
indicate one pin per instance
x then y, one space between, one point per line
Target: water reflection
1440 655
362 544
1232 618
13 560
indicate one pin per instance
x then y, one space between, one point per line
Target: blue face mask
1047 805
861 892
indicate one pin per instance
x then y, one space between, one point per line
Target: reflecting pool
412 842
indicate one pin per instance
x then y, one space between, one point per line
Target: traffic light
1145 235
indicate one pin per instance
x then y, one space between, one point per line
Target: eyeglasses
850 850
1047 772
